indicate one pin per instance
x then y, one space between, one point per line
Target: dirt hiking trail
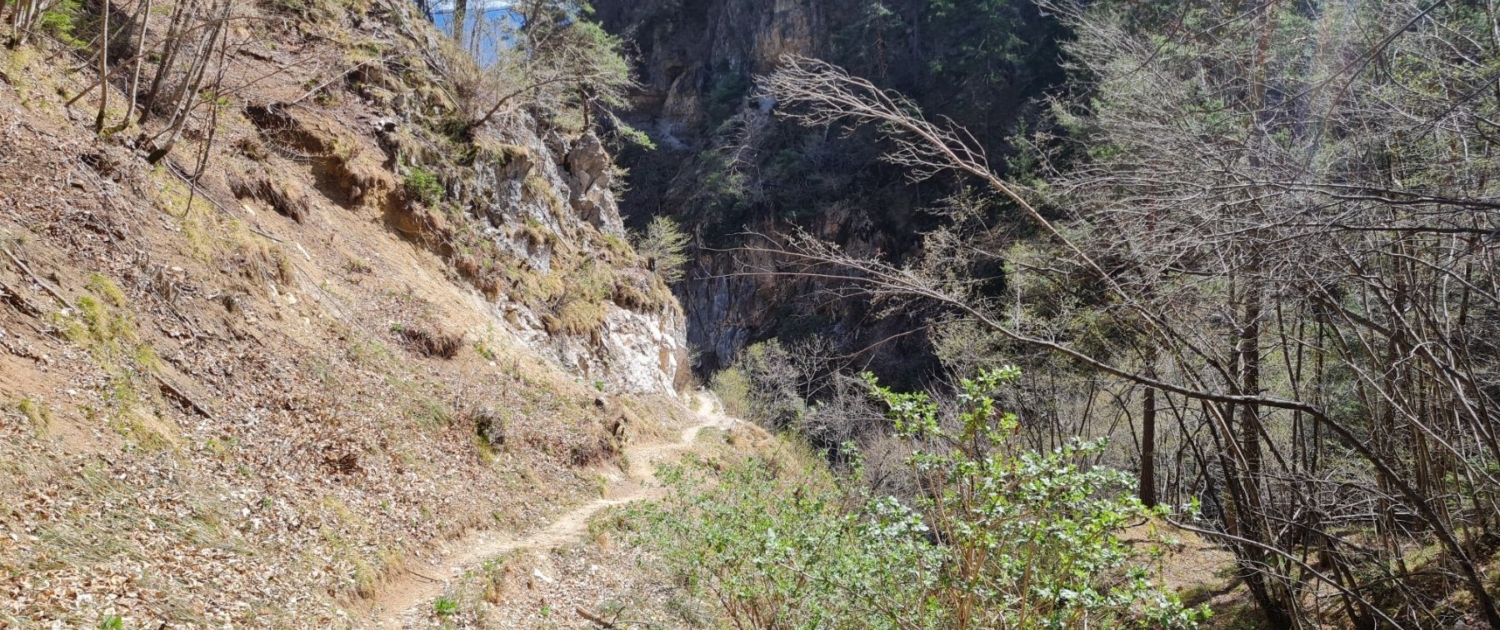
408 595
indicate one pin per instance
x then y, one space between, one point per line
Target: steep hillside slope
251 401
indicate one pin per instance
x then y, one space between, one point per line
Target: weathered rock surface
633 352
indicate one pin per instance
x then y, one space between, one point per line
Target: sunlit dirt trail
408 596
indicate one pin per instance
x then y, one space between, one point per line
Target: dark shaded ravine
728 169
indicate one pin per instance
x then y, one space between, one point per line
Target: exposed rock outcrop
520 190
590 184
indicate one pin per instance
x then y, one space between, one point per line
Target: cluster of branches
168 65
541 53
1283 230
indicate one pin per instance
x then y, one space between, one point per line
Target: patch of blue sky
495 23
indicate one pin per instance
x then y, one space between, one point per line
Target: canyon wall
736 175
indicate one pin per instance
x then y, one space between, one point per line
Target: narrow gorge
751 314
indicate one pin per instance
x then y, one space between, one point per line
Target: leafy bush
763 386
1000 538
422 185
732 388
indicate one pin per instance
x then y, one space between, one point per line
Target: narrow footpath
407 597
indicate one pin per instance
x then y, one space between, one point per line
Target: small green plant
356 265
214 98
112 622
445 607
422 185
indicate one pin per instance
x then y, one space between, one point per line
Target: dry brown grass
431 344
279 507
287 198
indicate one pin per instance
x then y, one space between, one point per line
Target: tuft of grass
445 607
102 324
144 429
483 350
357 266
583 303
538 188
420 404
36 413
107 289
370 353
617 246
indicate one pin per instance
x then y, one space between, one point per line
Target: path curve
406 597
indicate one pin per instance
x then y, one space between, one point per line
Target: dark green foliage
728 93
764 386
985 39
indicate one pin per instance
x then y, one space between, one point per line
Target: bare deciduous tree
1306 284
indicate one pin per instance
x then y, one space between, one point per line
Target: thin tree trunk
140 49
169 57
1147 488
460 18
103 68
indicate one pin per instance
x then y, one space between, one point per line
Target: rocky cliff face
634 346
527 213
727 166
638 348
525 219
698 55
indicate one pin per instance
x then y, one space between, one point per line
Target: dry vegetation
1275 259
229 394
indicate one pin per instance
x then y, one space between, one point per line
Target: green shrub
664 244
763 386
36 413
732 388
61 21
997 537
422 185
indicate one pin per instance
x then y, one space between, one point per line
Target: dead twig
182 397
425 577
607 624
21 265
14 298
599 621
